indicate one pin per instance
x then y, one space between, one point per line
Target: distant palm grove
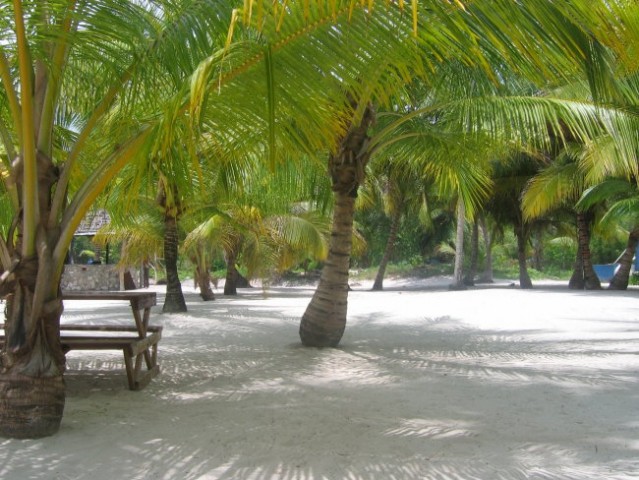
273 136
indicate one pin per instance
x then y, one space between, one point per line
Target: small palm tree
559 186
622 200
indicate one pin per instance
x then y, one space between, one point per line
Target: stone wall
90 277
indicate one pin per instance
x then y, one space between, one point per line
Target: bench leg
130 373
142 324
136 377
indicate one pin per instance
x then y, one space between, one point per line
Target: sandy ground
489 383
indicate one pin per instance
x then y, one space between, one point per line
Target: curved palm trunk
202 276
203 280
388 251
524 279
174 299
324 320
621 278
583 237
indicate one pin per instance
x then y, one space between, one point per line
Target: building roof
92 222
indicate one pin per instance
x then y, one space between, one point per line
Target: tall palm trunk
583 238
174 299
458 272
622 276
32 390
469 279
324 320
388 251
487 275
522 239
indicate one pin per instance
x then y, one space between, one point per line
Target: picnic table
138 342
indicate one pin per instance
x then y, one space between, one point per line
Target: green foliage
606 250
560 255
414 267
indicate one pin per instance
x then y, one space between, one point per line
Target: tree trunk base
525 284
30 407
207 296
313 335
617 285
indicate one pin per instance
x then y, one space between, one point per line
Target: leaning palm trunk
324 320
622 276
524 278
174 299
591 281
388 251
203 281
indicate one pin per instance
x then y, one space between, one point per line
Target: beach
489 383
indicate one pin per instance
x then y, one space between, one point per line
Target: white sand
494 383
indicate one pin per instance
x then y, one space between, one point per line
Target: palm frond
559 184
608 190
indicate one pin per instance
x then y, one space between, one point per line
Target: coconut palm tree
589 166
84 68
621 198
134 79
401 192
267 221
421 153
559 186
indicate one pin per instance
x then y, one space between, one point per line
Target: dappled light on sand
428 384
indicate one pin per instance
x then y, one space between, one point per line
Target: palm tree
66 133
401 191
420 153
170 202
511 177
267 221
558 186
621 198
140 235
469 277
154 90
324 321
458 273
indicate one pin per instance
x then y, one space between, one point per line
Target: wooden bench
138 343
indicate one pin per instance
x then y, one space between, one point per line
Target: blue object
607 271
